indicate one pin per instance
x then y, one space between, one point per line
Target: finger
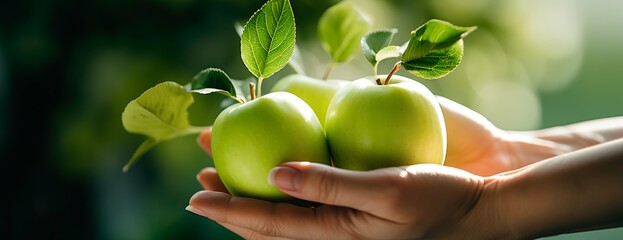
240 231
248 233
204 140
268 219
209 180
365 191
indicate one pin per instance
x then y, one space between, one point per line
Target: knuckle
349 225
222 218
326 188
394 191
270 228
342 223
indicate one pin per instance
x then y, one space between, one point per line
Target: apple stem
392 72
252 90
327 71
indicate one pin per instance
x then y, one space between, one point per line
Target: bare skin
497 184
477 146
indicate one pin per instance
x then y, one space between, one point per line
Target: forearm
583 134
576 191
527 147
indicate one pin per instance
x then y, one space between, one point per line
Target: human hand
407 202
474 143
392 203
358 216
429 201
479 147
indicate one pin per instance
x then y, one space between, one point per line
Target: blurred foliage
68 68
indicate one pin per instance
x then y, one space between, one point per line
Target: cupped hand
392 203
474 143
402 202
477 146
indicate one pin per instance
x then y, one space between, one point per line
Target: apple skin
317 93
249 139
369 126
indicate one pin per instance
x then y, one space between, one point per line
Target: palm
474 143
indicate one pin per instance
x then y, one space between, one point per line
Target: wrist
487 218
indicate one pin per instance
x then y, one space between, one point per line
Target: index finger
204 140
209 180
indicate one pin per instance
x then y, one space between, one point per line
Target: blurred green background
68 68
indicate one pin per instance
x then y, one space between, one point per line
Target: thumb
204 140
364 191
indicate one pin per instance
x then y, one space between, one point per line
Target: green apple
315 92
249 139
371 126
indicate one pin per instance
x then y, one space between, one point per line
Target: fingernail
195 210
286 178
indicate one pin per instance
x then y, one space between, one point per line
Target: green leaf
374 41
340 29
437 63
434 34
160 113
388 52
142 149
212 80
268 38
296 61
